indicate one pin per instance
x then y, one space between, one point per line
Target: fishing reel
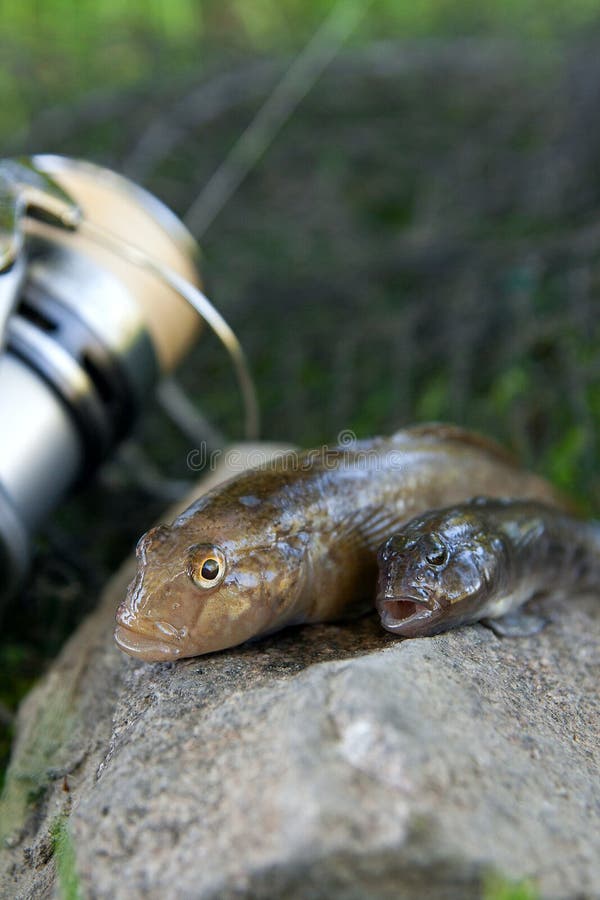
99 301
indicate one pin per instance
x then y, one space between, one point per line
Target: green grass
28 778
54 52
269 23
20 669
64 856
497 887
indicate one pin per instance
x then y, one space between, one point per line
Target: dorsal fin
444 431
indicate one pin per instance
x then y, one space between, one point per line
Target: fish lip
142 646
419 599
177 634
423 611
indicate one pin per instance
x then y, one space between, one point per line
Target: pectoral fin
516 624
370 527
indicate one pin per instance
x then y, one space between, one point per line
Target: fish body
482 560
295 540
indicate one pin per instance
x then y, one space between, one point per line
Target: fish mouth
404 614
143 646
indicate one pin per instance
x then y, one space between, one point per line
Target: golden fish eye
206 565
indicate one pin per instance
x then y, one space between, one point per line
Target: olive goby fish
482 561
295 540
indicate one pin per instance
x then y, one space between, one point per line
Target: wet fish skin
298 537
482 560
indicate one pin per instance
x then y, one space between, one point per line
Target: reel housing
99 299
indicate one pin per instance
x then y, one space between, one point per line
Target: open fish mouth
398 613
144 646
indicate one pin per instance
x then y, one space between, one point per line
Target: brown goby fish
482 561
295 540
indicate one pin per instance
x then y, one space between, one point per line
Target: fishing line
201 304
303 73
301 76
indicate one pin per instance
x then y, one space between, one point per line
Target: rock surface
327 761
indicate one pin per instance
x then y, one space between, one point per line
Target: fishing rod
90 322
100 299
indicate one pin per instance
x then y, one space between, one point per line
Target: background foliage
420 241
60 50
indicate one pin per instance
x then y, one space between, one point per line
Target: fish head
438 572
192 596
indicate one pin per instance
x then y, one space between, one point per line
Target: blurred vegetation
420 242
68 879
57 51
498 888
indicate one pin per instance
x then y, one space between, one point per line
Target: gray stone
327 761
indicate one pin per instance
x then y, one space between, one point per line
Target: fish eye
206 565
210 569
437 556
